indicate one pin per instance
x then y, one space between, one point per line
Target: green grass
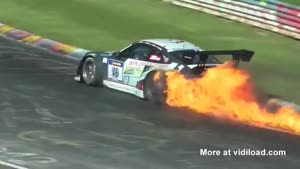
112 24
295 2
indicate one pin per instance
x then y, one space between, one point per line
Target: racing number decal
115 70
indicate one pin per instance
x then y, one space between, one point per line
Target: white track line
11 165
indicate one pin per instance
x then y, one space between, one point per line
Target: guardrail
272 15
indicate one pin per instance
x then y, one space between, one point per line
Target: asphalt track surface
48 121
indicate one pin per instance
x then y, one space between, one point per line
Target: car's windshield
191 57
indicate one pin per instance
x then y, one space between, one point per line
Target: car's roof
173 44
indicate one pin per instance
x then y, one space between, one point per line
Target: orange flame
225 92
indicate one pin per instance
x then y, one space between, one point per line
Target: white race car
132 69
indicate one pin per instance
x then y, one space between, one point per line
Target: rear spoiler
237 55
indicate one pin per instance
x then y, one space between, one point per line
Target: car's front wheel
91 72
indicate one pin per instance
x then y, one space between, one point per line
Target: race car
132 69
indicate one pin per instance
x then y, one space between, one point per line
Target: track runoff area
50 121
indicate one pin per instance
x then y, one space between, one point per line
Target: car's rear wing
237 55
201 58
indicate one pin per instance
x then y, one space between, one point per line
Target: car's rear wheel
154 89
91 72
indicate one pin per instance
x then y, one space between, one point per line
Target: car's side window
142 52
127 53
138 51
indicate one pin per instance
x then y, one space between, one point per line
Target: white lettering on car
143 63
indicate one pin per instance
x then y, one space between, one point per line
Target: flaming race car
132 70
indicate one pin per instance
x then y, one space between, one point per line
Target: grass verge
295 2
112 24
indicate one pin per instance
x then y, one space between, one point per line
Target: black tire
154 90
91 72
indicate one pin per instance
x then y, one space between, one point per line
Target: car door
129 64
136 58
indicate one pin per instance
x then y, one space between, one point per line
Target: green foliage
295 2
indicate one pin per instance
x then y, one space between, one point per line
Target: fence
272 15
